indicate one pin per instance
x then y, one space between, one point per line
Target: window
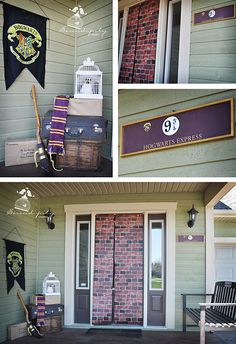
175 35
83 255
156 258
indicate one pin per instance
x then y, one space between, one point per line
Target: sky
230 198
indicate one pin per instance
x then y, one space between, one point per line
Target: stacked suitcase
85 127
53 313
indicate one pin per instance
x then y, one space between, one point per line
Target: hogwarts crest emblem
14 261
26 43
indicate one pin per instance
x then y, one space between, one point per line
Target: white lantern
51 285
88 81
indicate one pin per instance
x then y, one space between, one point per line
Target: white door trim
169 39
71 211
122 37
184 43
161 42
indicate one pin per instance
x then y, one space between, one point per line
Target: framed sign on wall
207 122
214 14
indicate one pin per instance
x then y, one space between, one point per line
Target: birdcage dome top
88 65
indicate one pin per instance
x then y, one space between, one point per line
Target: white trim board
167 208
228 241
224 213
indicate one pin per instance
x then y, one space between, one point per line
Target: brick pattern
103 270
128 301
139 54
129 269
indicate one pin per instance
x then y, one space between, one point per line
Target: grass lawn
156 283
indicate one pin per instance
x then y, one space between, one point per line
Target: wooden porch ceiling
108 188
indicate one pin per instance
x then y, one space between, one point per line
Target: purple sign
198 124
214 14
190 238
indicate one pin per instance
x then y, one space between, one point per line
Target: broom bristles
43 158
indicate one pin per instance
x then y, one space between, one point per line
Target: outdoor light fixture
192 213
49 219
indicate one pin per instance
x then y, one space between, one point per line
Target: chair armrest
197 294
185 298
208 304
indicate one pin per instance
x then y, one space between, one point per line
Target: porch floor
30 171
78 336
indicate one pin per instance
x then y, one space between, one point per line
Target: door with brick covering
139 52
118 269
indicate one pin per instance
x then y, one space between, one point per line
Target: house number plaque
191 238
203 123
214 14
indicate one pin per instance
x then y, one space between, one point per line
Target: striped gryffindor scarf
40 310
57 131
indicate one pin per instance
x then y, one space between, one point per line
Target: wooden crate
80 155
52 324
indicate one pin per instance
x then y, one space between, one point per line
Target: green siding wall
17 119
225 229
95 41
190 257
11 311
213 47
215 159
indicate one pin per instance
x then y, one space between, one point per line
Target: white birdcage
88 81
51 285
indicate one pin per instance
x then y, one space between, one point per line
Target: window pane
175 42
156 256
83 255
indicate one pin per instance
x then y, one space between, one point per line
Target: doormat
116 332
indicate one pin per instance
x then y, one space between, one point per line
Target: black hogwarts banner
15 264
24 43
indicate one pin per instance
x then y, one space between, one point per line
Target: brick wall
139 54
129 269
103 270
128 295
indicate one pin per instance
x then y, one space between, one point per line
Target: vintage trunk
91 128
80 155
52 324
49 310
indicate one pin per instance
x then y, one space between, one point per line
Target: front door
156 271
118 269
138 28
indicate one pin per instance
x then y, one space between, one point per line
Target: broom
32 330
40 156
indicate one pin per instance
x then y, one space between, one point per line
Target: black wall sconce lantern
192 213
49 219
